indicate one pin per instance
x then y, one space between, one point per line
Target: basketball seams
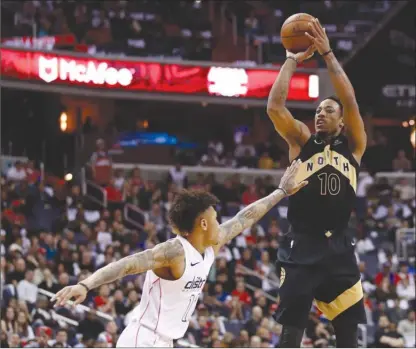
296 20
291 22
292 36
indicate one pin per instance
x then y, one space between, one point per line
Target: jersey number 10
330 183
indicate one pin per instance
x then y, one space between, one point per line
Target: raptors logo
282 276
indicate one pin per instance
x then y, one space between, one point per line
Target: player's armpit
162 255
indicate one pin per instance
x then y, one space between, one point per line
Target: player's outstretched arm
254 212
343 88
296 133
162 255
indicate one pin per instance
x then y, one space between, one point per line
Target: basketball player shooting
178 268
317 256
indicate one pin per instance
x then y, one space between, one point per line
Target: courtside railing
80 306
93 191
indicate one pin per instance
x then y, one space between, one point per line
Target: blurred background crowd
86 181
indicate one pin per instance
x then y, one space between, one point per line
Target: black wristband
326 53
290 57
83 285
283 190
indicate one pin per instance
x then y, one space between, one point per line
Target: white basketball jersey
166 306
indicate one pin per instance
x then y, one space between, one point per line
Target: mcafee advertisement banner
146 76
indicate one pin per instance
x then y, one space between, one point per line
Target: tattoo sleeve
280 88
340 81
248 216
355 130
162 255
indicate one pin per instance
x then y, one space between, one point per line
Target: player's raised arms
295 132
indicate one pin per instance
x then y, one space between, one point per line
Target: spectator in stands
250 195
177 175
210 159
17 172
251 26
217 146
265 162
61 340
406 191
113 193
388 274
119 179
24 330
385 291
245 147
387 336
406 289
8 323
101 164
15 341
252 324
229 160
401 162
407 328
109 336
247 160
26 289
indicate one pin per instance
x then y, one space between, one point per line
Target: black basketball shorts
334 285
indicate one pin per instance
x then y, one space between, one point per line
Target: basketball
293 32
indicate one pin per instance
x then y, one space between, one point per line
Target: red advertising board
45 43
147 76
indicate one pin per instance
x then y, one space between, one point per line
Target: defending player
178 268
317 257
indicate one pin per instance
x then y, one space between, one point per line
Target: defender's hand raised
319 37
289 182
78 292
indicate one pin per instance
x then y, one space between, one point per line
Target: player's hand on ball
319 37
76 292
289 182
302 56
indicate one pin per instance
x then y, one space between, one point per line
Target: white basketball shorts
138 336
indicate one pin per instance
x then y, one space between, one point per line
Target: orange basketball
293 32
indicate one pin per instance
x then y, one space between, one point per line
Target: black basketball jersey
319 212
327 201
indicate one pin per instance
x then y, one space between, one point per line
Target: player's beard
327 136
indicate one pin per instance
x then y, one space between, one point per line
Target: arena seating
185 30
138 28
78 236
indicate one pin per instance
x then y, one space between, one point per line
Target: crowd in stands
273 155
346 22
131 28
53 236
136 28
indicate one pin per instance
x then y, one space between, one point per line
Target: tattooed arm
295 133
248 216
354 124
162 255
254 212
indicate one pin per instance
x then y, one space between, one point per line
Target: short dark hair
338 101
187 206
